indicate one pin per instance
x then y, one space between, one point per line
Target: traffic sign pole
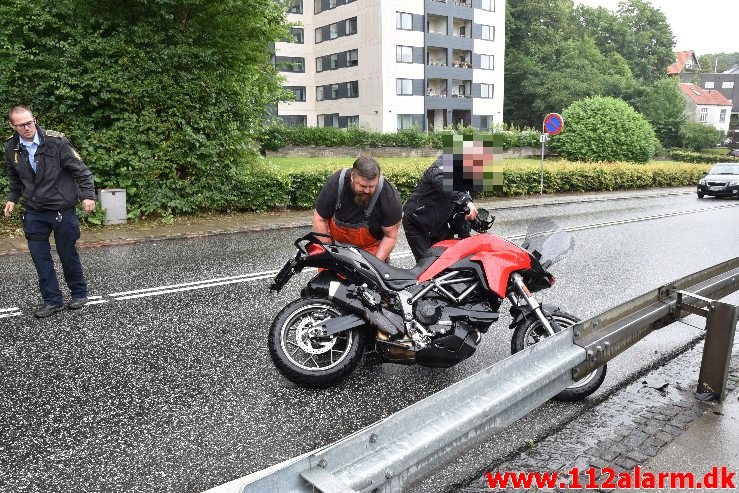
552 125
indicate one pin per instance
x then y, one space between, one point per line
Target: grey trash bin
113 202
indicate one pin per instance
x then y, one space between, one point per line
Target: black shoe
47 310
77 303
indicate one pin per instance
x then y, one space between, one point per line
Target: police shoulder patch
54 133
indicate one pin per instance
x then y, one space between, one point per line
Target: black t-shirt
387 211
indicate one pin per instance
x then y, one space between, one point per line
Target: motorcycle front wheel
308 360
532 331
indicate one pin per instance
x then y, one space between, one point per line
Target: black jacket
61 179
430 206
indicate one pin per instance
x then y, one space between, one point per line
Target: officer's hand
89 205
9 208
473 212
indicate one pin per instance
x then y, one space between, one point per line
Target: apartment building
392 64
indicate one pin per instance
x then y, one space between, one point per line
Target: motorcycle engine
431 314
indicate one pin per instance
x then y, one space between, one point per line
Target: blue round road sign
553 123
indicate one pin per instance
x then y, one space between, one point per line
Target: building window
352 58
488 5
319 93
351 26
334 61
352 121
404 21
334 91
328 120
295 120
488 33
704 115
319 35
486 90
404 54
709 85
486 62
727 85
722 116
297 33
296 7
352 89
405 121
290 64
298 91
486 122
404 87
319 64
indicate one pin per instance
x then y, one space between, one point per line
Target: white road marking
257 276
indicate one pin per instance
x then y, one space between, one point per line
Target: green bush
698 157
696 136
604 129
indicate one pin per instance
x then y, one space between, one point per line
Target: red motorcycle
433 314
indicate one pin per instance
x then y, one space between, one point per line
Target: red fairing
499 259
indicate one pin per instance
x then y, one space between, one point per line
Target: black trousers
419 241
38 226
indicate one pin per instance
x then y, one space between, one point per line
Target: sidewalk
213 224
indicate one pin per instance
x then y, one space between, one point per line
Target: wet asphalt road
176 391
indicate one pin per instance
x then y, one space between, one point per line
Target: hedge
700 157
279 135
521 179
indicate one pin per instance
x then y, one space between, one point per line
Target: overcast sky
705 26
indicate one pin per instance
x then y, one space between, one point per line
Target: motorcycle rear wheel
311 361
532 331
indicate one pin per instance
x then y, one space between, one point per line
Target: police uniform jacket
61 179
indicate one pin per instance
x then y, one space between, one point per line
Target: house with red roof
706 106
683 60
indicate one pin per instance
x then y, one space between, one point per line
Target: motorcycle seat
398 276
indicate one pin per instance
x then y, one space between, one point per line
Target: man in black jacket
46 171
429 213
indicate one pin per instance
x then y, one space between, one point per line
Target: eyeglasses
23 125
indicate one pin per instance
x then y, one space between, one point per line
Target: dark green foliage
604 129
162 97
718 62
557 54
698 157
696 136
278 136
663 105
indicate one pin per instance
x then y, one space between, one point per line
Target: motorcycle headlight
701 182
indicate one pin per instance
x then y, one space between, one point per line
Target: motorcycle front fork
525 295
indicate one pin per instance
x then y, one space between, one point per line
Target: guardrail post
720 327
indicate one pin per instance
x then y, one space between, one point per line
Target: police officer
46 171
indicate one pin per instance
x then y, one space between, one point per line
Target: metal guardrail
404 446
612 332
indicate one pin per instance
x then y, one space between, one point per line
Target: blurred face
24 123
363 189
475 157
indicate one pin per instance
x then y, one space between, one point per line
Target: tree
663 105
698 136
645 40
163 97
604 129
718 62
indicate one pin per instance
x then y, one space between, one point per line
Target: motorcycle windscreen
546 241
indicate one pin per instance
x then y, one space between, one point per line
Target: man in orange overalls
358 206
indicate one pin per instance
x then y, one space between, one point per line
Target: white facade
388 64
